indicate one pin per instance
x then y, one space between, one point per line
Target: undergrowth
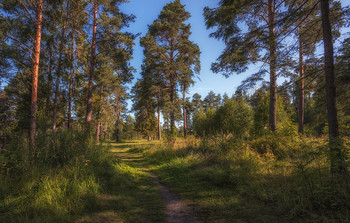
59 182
269 179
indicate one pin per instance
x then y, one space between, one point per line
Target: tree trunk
70 94
273 75
338 164
58 76
35 72
149 138
92 69
98 131
159 127
301 88
117 121
184 111
49 79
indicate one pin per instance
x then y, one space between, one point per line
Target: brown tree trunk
92 69
159 127
117 121
184 111
35 72
172 113
58 76
273 75
301 88
338 164
98 131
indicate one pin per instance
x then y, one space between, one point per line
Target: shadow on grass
130 195
234 188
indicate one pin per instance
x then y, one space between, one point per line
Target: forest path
176 210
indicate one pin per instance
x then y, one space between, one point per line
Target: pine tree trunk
98 130
58 76
273 75
184 112
92 69
159 126
35 72
301 88
338 164
117 121
49 79
172 113
70 94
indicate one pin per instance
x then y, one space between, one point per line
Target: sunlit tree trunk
35 71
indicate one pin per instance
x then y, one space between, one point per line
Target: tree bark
338 164
184 111
98 131
58 76
92 69
273 75
159 126
35 72
117 121
301 88
70 94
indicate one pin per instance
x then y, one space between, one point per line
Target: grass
229 181
75 181
271 179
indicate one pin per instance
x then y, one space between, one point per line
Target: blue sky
146 11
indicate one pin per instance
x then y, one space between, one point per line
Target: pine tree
265 21
168 40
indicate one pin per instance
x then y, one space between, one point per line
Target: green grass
75 181
229 181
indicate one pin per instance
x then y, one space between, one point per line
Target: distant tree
211 101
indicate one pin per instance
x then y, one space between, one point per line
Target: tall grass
62 179
269 179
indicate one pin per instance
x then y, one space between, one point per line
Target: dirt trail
176 210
